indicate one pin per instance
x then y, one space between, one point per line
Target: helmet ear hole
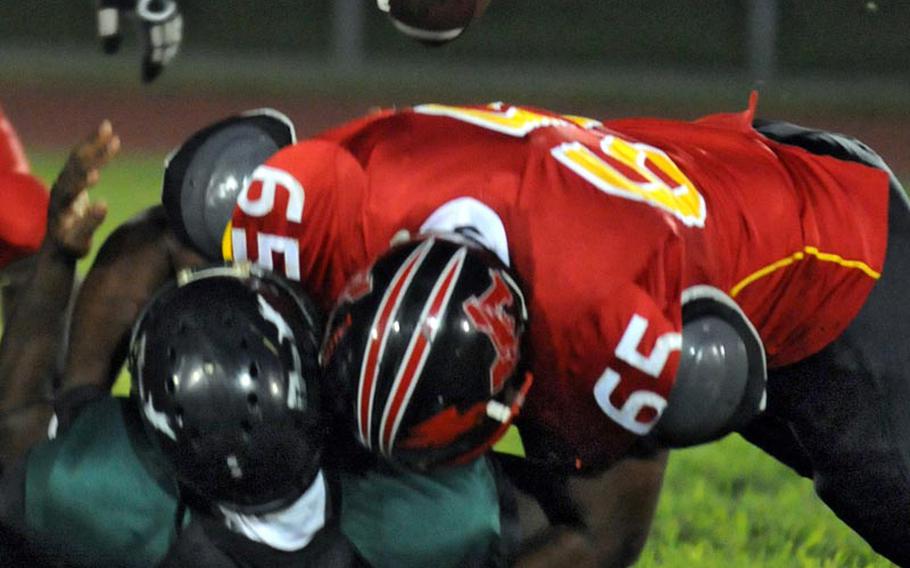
252 401
170 385
254 370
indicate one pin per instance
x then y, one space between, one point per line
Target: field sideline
726 504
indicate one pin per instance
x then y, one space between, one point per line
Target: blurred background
826 62
837 64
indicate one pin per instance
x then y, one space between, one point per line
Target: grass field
726 504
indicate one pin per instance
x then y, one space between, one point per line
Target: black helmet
422 352
224 367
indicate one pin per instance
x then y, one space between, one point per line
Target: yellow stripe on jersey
800 255
583 121
227 249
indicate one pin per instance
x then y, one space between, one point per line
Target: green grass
723 505
729 504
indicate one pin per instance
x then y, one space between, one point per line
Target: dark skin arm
617 508
34 330
14 279
137 259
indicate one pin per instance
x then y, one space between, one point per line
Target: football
433 21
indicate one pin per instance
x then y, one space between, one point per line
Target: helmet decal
271 315
234 465
419 346
444 427
157 419
379 333
488 314
335 336
359 286
296 388
138 356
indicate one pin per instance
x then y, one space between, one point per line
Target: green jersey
99 488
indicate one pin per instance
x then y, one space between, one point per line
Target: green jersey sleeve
402 519
89 490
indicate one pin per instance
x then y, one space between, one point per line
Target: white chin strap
289 529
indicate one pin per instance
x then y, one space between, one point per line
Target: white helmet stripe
379 333
418 350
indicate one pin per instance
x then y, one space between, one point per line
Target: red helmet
422 353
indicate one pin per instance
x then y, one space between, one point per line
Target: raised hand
72 217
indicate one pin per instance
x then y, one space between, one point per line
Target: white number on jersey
628 351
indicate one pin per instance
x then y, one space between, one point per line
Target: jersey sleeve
641 361
23 215
606 353
626 355
299 216
12 156
23 199
386 515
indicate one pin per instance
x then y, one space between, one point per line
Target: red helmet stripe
418 350
379 334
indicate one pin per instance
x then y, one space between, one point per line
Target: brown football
434 21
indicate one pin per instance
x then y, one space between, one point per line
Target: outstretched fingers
82 168
72 217
95 152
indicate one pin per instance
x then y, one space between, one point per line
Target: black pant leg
848 406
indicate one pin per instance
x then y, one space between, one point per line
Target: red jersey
606 225
23 215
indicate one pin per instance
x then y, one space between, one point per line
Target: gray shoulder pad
204 176
720 384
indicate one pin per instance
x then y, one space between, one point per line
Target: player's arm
34 331
718 387
602 520
136 259
620 506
